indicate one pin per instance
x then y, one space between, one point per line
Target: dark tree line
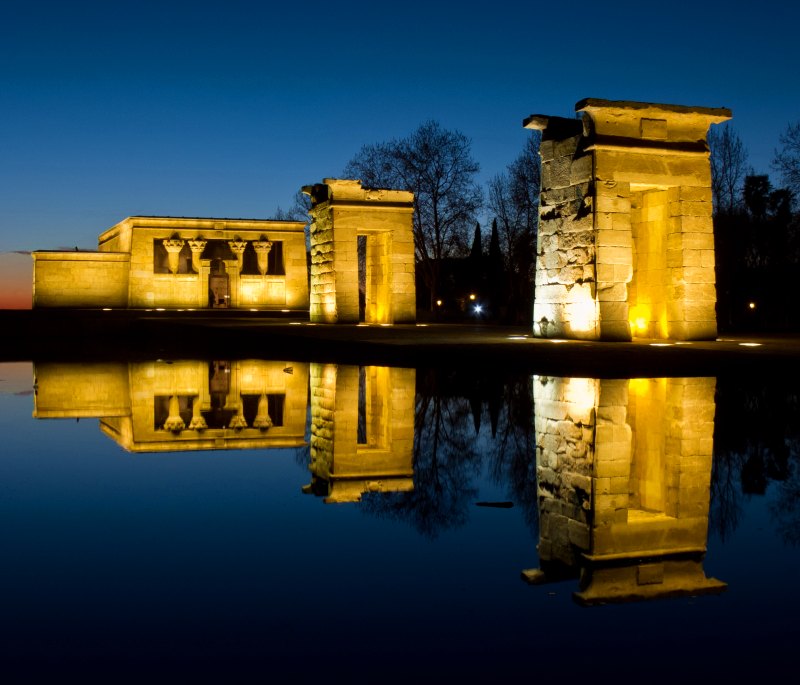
757 236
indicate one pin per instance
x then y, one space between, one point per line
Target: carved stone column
173 247
262 420
174 422
237 247
262 248
238 422
198 423
197 246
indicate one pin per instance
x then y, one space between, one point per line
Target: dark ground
130 334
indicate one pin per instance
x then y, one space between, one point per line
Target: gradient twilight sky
111 109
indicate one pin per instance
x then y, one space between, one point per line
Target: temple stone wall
86 390
80 279
625 244
342 210
122 272
565 304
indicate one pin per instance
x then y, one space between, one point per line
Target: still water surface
317 521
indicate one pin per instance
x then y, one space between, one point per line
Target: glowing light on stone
582 315
628 223
581 394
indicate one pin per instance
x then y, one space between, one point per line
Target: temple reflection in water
623 467
182 405
623 470
362 418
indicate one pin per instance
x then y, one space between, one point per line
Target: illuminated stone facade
362 430
181 405
168 262
341 211
625 242
624 470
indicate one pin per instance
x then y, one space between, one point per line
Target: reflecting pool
283 519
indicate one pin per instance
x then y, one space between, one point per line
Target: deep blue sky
226 108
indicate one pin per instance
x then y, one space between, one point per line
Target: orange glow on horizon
16 278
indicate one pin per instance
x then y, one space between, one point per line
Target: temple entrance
362 254
218 286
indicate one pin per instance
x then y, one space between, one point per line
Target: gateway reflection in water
362 430
624 470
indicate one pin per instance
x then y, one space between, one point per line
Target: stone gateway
626 243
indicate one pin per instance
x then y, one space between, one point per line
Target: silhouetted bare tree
728 167
513 197
436 164
787 158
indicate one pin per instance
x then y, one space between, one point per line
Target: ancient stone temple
625 244
362 430
623 470
180 263
343 211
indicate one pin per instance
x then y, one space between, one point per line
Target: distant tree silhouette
787 159
513 198
757 253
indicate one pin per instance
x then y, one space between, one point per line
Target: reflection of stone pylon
174 421
198 423
238 421
262 421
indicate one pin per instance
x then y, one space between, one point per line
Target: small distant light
159 309
660 344
106 309
472 296
148 310
478 309
190 310
438 303
683 343
363 324
421 325
751 305
295 323
750 344
253 310
386 324
286 311
556 340
309 324
517 337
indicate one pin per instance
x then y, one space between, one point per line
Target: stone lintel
652 109
553 128
197 225
81 256
337 191
646 121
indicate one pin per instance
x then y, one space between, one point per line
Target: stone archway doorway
219 295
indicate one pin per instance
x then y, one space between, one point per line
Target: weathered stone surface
640 214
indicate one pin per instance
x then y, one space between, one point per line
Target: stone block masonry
625 243
342 211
